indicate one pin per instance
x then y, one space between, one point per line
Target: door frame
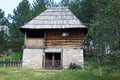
53 55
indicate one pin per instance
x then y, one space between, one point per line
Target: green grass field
38 74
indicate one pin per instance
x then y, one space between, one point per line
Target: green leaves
105 32
21 15
105 29
3 40
38 7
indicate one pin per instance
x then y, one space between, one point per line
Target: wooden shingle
54 18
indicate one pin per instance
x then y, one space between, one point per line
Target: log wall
34 42
54 39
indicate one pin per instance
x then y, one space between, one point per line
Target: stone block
72 56
32 58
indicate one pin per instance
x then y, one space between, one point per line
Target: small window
35 35
65 34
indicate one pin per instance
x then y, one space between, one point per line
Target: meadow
13 73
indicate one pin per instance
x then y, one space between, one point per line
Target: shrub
74 66
13 56
113 62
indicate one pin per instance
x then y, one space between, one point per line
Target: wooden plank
11 63
34 42
57 34
63 43
53 59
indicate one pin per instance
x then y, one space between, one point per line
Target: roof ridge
59 17
59 7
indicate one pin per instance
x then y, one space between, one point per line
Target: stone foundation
32 58
72 56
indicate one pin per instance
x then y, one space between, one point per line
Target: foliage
74 66
103 37
37 74
3 19
105 31
21 15
3 42
38 7
12 56
108 63
64 3
3 39
112 62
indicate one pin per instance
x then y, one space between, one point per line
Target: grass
38 74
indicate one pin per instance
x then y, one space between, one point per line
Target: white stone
53 50
72 56
32 58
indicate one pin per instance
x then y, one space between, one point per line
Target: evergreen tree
105 31
38 7
105 34
3 39
64 3
49 3
3 42
21 15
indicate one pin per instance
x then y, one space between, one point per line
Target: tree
105 33
105 30
3 42
49 3
21 15
64 3
3 39
38 7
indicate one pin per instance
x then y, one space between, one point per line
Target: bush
74 66
13 56
113 62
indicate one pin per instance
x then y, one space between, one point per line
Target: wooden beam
25 39
53 59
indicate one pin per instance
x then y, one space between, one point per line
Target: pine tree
21 15
105 30
64 3
3 42
40 5
3 39
105 34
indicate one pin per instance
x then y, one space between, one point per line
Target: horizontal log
62 46
79 40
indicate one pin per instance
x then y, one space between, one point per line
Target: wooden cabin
53 39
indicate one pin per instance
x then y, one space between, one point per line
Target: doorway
52 60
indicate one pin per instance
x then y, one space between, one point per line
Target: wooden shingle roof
54 18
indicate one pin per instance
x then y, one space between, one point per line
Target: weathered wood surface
54 38
34 42
11 63
49 64
63 43
55 18
57 34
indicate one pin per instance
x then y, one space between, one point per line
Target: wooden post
45 35
25 39
44 60
53 59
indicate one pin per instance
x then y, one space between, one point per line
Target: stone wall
32 58
72 56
